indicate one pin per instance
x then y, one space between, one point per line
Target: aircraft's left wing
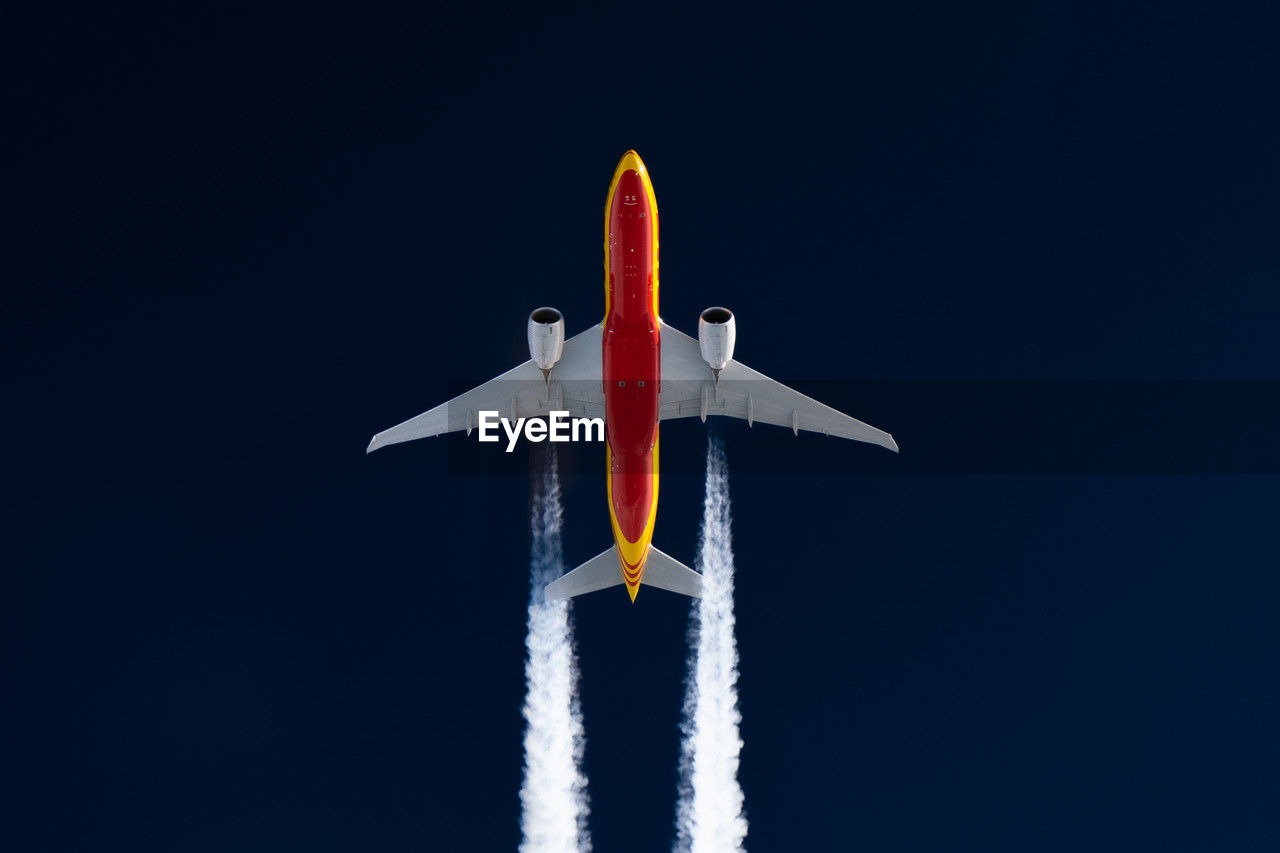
690 389
574 385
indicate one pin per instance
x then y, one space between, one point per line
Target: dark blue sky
243 241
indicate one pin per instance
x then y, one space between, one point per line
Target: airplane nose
631 161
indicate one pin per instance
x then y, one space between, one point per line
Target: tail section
603 570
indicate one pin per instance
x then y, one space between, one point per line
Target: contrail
554 792
709 815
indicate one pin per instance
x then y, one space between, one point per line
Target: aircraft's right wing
574 385
690 389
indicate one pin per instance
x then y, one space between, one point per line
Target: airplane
635 371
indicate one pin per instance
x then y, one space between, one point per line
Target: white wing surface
600 572
666 572
574 385
690 389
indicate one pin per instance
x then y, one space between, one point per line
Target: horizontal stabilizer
603 571
668 573
599 572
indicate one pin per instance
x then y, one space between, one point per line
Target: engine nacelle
716 333
546 337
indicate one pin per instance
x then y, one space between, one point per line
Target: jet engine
716 334
546 337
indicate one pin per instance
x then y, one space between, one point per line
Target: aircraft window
622 384
640 383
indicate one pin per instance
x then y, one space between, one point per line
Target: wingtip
892 445
373 445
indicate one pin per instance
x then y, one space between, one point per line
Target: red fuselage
631 363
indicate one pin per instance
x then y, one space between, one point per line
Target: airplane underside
634 371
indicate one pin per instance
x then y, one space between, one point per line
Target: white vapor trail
554 792
709 815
